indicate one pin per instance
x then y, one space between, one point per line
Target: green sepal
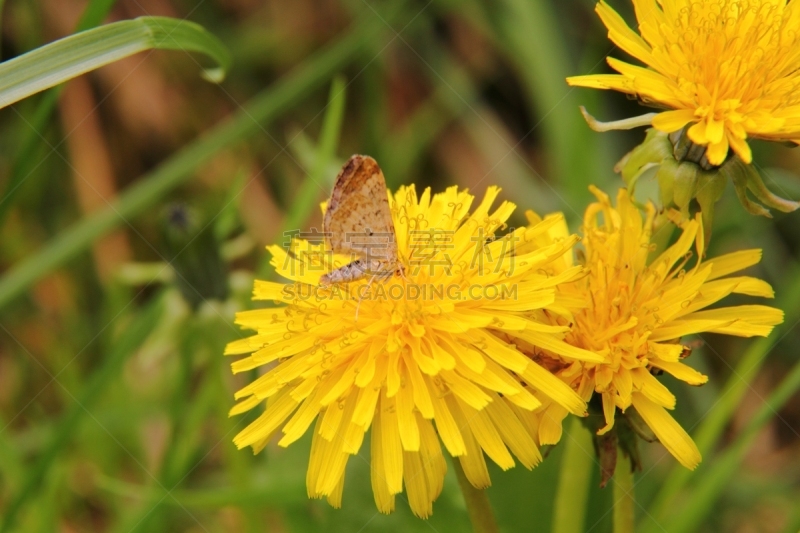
710 186
684 185
655 149
737 172
767 197
628 437
605 446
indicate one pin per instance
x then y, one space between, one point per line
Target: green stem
569 514
131 339
478 506
624 515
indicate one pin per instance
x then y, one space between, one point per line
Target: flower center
731 53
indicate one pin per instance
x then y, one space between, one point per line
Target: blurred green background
113 389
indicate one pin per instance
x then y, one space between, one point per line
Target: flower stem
478 506
573 480
623 495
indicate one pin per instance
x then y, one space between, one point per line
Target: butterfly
358 222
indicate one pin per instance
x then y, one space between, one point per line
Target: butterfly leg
361 296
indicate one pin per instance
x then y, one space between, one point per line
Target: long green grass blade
272 493
731 396
133 336
24 159
2 4
714 481
530 33
317 185
152 187
88 50
94 14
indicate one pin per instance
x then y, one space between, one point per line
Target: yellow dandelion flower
634 311
422 361
729 67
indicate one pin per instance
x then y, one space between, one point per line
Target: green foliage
88 50
113 390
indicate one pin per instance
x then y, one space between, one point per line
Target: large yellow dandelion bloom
422 361
633 311
729 67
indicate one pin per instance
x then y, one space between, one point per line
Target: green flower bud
193 252
684 174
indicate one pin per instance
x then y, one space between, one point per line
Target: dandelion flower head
633 311
425 362
730 68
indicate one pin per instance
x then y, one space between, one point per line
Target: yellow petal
733 262
550 425
384 499
446 425
741 147
669 432
609 408
472 459
681 372
487 435
513 432
549 385
391 447
603 81
669 121
621 35
717 152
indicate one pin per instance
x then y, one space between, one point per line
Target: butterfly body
358 222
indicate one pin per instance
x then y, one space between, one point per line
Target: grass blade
731 396
315 182
77 54
132 337
530 31
263 108
271 493
715 480
24 161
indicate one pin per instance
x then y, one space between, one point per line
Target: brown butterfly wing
358 219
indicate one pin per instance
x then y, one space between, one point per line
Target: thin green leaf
624 502
316 184
88 50
133 336
25 161
716 479
152 187
716 421
95 13
531 34
273 493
